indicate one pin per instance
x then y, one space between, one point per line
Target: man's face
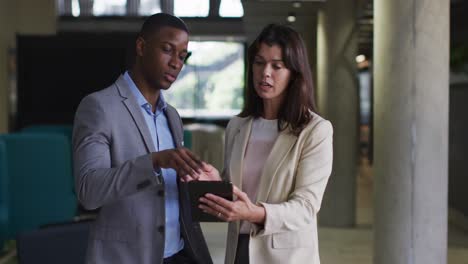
162 56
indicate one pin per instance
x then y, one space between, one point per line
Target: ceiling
458 25
366 28
258 13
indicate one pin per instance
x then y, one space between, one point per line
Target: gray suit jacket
113 171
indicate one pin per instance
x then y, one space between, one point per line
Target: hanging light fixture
291 17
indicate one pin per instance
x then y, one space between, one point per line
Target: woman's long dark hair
300 100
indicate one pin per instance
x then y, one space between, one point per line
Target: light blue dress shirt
162 138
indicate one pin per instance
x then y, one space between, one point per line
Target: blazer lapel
282 146
238 152
174 124
132 106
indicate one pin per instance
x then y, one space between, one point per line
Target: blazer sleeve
96 182
313 170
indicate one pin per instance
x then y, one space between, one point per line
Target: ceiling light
360 58
297 4
291 18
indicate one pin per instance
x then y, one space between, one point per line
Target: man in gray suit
129 159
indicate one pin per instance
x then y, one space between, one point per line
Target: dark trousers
180 257
242 251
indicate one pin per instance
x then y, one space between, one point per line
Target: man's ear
140 46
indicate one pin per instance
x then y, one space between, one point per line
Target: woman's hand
208 173
240 209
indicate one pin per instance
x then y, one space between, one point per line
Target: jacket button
161 193
161 229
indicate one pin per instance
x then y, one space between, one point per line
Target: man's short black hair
155 22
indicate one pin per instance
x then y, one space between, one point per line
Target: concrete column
411 89
167 6
86 7
64 7
132 7
338 100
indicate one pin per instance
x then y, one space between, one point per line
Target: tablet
198 189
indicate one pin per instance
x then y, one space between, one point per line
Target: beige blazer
291 188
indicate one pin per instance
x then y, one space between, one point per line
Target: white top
262 137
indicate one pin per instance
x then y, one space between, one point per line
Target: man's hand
182 160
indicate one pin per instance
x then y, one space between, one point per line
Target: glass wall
211 84
231 8
182 8
191 8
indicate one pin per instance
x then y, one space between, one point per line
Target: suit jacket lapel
135 110
282 146
173 119
238 152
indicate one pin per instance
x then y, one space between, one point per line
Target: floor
337 245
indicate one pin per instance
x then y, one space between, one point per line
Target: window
365 84
191 8
181 8
149 7
231 8
211 84
75 8
109 7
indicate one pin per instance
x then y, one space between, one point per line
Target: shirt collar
161 105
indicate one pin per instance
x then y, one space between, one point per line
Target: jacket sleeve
313 170
96 182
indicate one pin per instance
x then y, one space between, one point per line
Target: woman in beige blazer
278 154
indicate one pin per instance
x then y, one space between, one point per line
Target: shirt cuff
157 172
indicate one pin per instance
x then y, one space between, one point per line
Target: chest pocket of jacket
293 239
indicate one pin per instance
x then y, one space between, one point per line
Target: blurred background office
392 76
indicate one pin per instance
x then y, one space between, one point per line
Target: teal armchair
3 195
65 130
38 180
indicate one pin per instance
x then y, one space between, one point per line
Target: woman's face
270 75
